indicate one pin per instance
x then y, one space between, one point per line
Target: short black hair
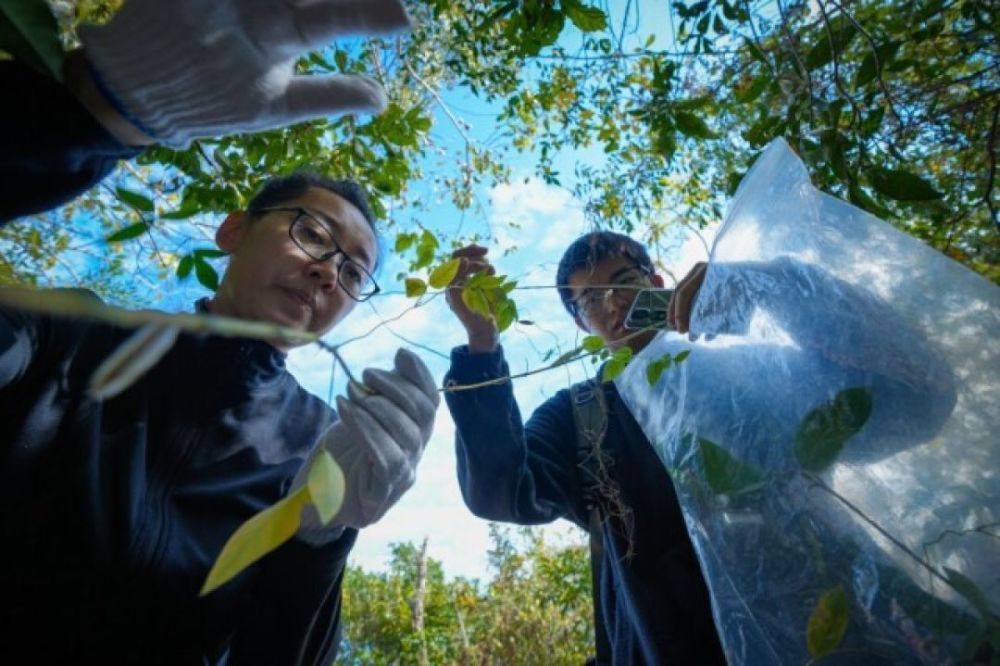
282 189
588 250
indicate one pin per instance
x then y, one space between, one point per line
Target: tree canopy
892 105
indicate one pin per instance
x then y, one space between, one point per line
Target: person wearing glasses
651 600
113 510
651 603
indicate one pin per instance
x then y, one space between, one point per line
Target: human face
606 313
272 279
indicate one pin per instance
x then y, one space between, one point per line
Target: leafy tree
535 609
893 105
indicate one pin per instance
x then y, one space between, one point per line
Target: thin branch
818 482
991 179
69 304
855 113
798 59
878 64
575 354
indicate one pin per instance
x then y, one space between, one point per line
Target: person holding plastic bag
651 603
119 488
830 436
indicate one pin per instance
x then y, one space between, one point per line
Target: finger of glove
388 459
408 397
395 422
410 366
319 22
313 96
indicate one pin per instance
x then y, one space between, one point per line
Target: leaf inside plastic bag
825 430
256 538
827 622
725 474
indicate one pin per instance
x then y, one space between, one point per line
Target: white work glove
184 69
377 443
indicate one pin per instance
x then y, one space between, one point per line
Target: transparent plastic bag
834 434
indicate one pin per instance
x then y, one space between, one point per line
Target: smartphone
649 309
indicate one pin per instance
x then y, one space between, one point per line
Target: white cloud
547 217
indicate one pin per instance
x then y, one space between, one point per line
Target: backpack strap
591 418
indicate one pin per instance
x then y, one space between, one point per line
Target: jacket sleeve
508 471
53 149
20 334
849 328
294 616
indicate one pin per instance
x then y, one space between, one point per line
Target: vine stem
878 528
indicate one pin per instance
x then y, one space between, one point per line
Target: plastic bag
834 434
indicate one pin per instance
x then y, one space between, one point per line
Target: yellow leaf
256 538
415 287
442 276
827 623
326 486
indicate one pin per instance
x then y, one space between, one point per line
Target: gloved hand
184 69
377 443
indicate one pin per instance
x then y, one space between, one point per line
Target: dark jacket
112 513
655 604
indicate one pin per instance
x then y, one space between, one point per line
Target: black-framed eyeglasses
315 239
594 299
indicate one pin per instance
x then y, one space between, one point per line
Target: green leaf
256 538
616 364
902 185
129 232
326 486
821 53
756 52
184 266
415 287
425 249
825 430
592 343
827 622
682 355
340 57
859 198
475 300
206 273
753 91
872 121
692 125
587 19
867 70
404 241
833 150
181 213
29 33
506 315
725 474
484 280
135 200
208 253
655 369
442 276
